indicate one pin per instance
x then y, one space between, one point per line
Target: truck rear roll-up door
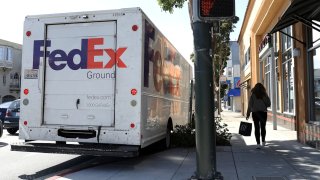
79 85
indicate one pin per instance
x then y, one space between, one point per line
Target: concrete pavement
282 158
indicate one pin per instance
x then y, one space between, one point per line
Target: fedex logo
59 59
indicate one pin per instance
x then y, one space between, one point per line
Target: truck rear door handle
77 103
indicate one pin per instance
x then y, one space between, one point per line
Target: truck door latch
78 102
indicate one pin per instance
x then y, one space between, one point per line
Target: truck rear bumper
81 149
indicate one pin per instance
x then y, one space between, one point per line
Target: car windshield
15 104
5 105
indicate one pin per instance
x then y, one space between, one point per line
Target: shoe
264 144
258 146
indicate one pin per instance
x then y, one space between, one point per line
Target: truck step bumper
81 149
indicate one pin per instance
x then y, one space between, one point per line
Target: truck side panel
165 85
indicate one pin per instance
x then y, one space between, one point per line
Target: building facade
10 70
233 77
279 47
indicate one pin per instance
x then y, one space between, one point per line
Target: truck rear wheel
167 140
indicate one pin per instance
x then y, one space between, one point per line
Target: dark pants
259 120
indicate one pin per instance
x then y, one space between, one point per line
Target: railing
6 64
14 87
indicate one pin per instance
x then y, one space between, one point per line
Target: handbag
245 128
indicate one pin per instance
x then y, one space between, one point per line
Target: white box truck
99 83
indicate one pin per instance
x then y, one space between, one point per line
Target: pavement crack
180 164
234 162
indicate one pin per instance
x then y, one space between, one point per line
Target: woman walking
258 104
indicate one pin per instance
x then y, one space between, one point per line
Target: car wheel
12 130
1 128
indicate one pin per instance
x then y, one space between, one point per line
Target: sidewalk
282 158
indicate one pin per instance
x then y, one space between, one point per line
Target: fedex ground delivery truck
99 83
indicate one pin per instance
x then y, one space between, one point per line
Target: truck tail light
134 28
28 33
26 91
25 123
134 91
8 113
132 125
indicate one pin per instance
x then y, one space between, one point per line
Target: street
25 165
153 163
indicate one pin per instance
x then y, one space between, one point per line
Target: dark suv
11 119
3 111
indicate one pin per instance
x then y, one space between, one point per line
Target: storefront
283 41
304 17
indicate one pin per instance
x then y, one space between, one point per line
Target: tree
192 57
221 53
205 127
169 5
221 49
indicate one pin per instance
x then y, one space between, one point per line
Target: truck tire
12 130
1 128
167 140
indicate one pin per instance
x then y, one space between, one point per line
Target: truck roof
123 10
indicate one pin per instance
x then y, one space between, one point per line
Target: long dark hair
259 90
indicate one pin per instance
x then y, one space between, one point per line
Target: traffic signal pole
203 14
204 101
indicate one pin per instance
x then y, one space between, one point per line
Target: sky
176 26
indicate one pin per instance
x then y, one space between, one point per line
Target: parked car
3 110
11 120
1 129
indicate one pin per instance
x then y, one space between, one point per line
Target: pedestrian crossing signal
216 9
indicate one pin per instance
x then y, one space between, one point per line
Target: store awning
234 92
300 10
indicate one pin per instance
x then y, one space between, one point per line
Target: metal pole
204 101
273 87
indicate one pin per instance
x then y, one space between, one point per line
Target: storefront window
287 73
277 87
315 55
316 83
286 40
246 59
277 76
267 74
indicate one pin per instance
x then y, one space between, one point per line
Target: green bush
184 135
223 135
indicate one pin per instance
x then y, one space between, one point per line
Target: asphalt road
26 165
29 165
